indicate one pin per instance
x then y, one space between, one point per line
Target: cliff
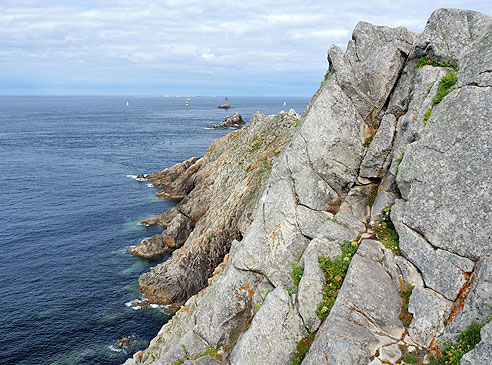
371 239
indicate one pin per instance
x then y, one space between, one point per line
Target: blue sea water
70 209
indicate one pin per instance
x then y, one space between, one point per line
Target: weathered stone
438 273
371 65
482 353
401 270
354 210
378 155
477 306
429 313
204 360
335 232
173 237
441 169
310 220
232 121
273 335
386 195
311 284
371 249
358 324
390 354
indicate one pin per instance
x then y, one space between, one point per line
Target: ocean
70 206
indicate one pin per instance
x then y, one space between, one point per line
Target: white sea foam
150 185
115 349
137 307
135 177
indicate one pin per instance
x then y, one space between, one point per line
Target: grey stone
375 361
449 32
358 325
441 169
310 220
401 270
205 360
371 65
371 249
354 209
438 273
311 284
390 354
378 155
386 195
429 313
334 231
273 335
478 303
482 353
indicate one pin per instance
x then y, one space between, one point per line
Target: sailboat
285 103
127 103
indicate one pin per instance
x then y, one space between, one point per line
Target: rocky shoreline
358 233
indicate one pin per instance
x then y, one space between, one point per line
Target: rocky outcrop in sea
232 121
370 240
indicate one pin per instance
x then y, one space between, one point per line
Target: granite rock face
232 121
435 175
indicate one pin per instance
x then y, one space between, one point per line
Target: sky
186 47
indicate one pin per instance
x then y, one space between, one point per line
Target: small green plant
405 293
399 160
335 271
490 319
424 61
302 348
368 141
446 85
453 352
410 358
297 272
372 195
430 87
385 230
427 115
296 124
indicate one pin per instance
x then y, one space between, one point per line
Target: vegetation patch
399 160
368 141
335 271
446 85
427 115
405 316
384 229
372 195
334 206
302 348
296 272
424 61
453 352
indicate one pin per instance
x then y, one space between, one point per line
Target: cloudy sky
185 47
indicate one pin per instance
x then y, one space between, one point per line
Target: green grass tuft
446 85
386 232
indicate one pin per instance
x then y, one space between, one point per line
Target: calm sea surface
70 207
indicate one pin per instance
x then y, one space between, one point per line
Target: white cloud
243 40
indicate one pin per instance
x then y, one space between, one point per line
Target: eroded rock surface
436 174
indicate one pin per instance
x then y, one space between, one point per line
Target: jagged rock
439 273
226 186
176 181
482 353
232 121
205 360
335 232
370 67
354 210
477 306
357 324
390 354
173 237
445 166
429 311
311 284
401 270
273 335
310 220
378 156
386 195
372 250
